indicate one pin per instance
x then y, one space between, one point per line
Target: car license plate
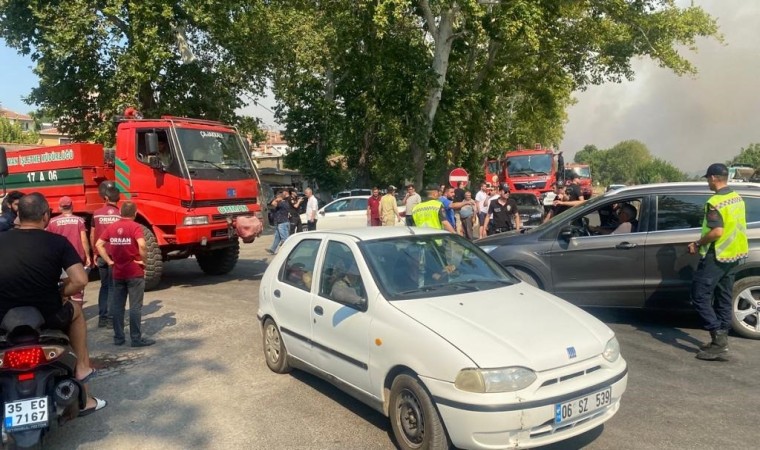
26 414
567 411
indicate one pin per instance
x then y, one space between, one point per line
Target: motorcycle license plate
26 414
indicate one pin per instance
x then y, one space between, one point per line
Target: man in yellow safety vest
722 246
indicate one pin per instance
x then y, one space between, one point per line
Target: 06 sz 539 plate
567 411
26 414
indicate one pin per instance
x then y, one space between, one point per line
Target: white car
429 330
346 212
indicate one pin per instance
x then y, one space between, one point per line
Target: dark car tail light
23 358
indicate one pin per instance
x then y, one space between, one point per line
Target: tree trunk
443 37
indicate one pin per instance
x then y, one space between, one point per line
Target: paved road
205 384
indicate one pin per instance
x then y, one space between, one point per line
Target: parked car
531 210
352 193
648 268
423 326
346 212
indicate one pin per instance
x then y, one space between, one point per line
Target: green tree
12 133
658 171
622 161
586 155
95 57
473 79
749 155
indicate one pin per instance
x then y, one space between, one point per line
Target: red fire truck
584 174
533 170
191 180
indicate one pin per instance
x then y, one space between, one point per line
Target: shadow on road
186 273
665 326
355 406
577 442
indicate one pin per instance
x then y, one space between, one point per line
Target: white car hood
517 325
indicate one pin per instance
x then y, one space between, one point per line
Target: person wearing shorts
31 266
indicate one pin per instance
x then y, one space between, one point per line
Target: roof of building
12 115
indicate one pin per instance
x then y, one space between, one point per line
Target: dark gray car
531 211
649 267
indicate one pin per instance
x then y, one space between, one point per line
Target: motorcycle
38 385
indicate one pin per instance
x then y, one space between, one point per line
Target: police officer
722 245
503 212
430 213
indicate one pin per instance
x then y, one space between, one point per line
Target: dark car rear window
683 211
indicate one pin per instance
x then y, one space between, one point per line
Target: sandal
99 404
89 376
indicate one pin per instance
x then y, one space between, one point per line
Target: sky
690 121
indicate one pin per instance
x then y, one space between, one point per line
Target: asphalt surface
205 383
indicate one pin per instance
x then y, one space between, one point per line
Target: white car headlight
612 350
508 379
488 248
195 220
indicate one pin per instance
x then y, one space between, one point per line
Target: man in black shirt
503 213
281 215
9 210
573 192
31 269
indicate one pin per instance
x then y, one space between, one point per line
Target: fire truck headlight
195 220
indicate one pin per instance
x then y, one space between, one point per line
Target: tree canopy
95 57
369 91
628 162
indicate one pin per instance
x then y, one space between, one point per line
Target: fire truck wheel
154 266
220 261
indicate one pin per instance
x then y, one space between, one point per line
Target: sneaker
103 322
118 341
270 252
144 342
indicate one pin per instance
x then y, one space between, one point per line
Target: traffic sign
458 175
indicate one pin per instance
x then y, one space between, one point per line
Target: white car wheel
274 349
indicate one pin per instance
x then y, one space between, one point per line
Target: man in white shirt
411 199
311 210
481 206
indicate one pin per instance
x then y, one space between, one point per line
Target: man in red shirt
73 229
123 248
373 208
101 219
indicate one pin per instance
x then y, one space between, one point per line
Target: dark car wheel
414 418
524 276
746 307
275 352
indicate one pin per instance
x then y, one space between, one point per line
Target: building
269 157
25 121
51 136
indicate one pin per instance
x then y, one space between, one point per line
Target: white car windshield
431 266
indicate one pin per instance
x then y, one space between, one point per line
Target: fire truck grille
223 202
220 217
533 185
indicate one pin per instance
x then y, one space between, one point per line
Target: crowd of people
490 211
46 259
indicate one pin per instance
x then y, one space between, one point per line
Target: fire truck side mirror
151 143
3 162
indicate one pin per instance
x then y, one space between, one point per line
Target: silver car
647 268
